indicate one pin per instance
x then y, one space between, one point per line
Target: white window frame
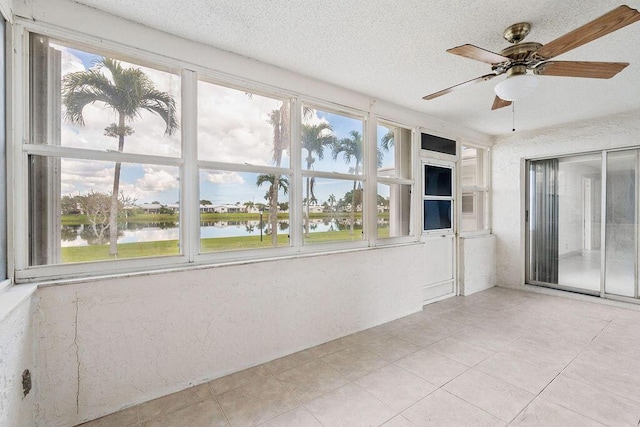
453 198
483 173
412 236
188 165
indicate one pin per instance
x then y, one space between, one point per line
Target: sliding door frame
603 223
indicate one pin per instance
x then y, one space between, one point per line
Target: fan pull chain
513 116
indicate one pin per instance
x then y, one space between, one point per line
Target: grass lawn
170 247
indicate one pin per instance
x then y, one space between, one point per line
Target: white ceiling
395 49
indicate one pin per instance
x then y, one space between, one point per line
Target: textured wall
16 355
477 263
508 177
113 343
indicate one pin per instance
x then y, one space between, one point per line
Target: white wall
16 355
477 263
508 177
113 343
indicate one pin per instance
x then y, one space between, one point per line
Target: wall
477 263
16 355
508 177
113 343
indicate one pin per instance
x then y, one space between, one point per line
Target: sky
233 127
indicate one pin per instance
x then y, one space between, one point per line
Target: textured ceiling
395 49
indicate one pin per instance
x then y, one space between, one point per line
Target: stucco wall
477 263
114 343
508 177
16 355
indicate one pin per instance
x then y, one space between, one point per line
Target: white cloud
233 126
157 179
219 177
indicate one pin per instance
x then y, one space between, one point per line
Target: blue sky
233 124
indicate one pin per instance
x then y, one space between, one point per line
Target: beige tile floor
499 357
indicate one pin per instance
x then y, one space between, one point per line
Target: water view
83 235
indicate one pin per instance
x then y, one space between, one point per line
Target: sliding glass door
564 211
569 246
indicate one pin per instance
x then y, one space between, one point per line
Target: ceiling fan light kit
517 85
524 62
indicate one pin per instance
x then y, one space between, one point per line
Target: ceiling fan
522 62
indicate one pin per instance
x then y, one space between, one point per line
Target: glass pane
77 101
239 127
331 142
394 151
437 214
394 210
564 223
472 210
435 143
579 190
437 181
243 210
471 167
334 210
70 209
621 232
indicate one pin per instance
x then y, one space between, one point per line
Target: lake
82 235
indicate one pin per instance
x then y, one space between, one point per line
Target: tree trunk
353 206
113 212
273 210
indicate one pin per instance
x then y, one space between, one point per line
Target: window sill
209 265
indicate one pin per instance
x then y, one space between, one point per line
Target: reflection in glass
239 127
394 207
437 214
333 213
437 181
564 221
621 231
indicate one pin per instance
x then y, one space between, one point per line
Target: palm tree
388 140
314 140
276 183
126 91
351 150
331 200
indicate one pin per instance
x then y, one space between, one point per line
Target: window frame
412 236
188 165
453 198
484 190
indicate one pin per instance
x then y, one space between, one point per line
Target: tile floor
499 357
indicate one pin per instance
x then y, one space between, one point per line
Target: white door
438 228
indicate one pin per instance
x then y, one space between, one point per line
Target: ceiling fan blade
474 52
499 103
618 18
594 70
460 86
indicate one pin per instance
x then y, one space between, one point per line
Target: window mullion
370 212
295 194
190 213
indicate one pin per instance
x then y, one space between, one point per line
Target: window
438 144
104 168
192 169
437 197
475 191
332 157
243 158
394 181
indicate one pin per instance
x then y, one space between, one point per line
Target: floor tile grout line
549 383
